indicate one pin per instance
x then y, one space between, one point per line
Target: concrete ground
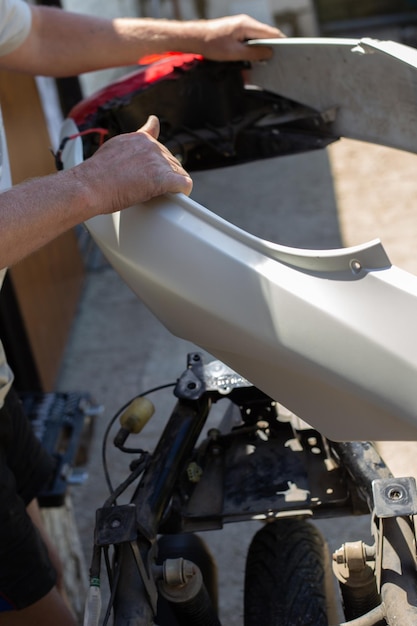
348 194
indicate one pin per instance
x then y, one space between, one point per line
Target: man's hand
224 39
128 169
132 168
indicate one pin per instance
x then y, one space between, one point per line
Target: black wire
111 423
115 581
108 566
125 484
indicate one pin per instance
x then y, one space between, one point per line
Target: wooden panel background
48 283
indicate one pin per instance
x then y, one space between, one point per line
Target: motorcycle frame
158 508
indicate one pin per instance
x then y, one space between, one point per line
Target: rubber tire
285 576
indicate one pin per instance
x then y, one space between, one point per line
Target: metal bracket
394 497
190 385
221 378
116 524
147 579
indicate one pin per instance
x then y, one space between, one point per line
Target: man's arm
62 43
128 169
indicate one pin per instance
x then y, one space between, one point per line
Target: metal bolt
115 523
355 266
213 433
395 493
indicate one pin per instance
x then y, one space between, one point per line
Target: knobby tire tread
285 576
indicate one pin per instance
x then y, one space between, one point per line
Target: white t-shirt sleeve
15 23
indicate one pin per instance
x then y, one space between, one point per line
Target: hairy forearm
35 212
63 43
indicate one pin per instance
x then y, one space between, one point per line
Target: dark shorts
26 574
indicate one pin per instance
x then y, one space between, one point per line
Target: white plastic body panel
330 334
371 84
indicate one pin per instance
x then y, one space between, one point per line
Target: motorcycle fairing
330 334
371 84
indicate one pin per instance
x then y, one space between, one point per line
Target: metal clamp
115 525
394 497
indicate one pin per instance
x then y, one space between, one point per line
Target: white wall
93 81
269 11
